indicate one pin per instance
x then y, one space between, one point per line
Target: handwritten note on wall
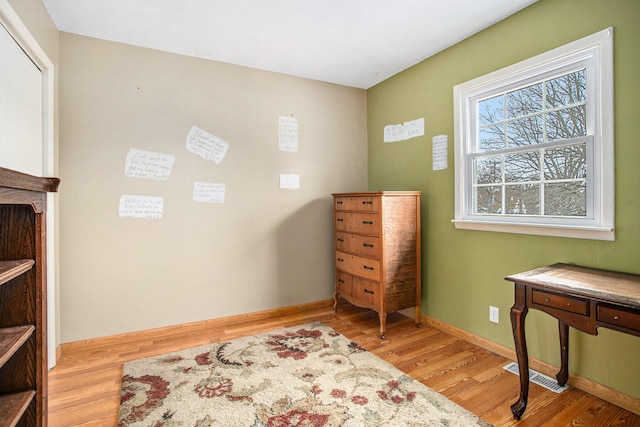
289 181
439 152
147 164
402 132
208 192
288 134
208 146
150 207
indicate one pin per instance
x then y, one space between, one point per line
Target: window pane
565 162
567 90
567 123
522 167
523 199
565 199
525 101
491 111
488 170
525 131
491 138
488 200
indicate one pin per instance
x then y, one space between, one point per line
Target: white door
21 145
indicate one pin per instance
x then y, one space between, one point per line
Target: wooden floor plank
84 386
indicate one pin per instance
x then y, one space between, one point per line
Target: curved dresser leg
383 323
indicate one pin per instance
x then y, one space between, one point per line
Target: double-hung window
534 144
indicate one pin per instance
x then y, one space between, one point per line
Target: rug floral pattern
308 375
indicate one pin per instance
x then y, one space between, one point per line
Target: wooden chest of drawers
377 251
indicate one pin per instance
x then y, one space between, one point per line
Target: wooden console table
581 297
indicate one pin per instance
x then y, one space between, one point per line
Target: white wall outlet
494 314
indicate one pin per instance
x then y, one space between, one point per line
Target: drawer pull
340 259
339 202
368 268
340 281
367 222
367 245
616 317
367 291
340 240
547 300
367 203
340 219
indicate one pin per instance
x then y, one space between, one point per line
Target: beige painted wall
262 248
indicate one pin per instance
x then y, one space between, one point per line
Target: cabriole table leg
518 314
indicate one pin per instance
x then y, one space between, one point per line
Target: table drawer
358 266
357 203
618 316
561 302
365 223
366 246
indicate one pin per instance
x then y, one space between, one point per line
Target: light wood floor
84 386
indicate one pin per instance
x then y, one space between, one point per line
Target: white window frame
595 52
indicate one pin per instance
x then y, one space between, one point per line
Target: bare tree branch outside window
517 171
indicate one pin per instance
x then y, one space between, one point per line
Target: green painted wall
464 270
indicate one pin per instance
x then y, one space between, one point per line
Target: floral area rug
308 375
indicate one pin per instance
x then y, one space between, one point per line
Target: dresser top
378 193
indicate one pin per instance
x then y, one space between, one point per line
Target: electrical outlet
494 314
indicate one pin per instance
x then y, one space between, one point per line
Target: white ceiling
355 43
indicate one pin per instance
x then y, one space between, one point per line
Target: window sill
576 232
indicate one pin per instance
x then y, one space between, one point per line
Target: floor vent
538 378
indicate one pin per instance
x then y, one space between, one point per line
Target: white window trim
598 46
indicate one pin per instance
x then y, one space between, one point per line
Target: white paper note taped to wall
439 152
289 181
413 128
204 144
288 134
148 164
150 207
393 133
208 192
407 130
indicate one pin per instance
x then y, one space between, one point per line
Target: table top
607 285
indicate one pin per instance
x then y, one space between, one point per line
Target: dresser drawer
618 316
358 266
364 223
358 203
561 302
367 292
366 246
344 283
